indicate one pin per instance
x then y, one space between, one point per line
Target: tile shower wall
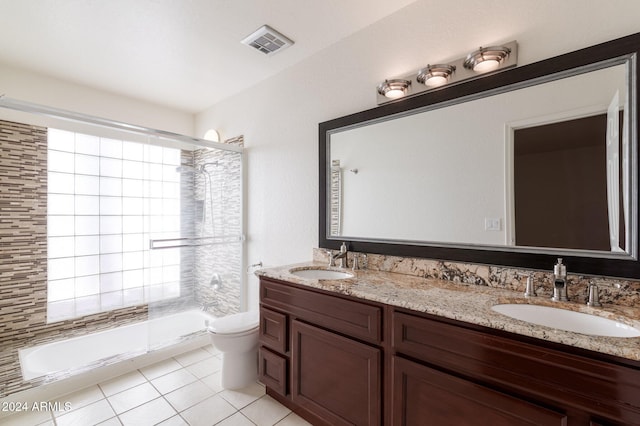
218 269
617 291
23 220
23 255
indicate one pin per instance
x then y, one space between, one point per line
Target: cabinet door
424 396
336 378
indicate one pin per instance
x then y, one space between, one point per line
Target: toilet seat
235 323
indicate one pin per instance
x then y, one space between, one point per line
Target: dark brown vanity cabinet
423 395
321 354
447 372
326 357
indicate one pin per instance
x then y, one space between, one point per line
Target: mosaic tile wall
23 252
218 271
617 291
23 255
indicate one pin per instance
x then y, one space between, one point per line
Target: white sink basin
321 274
563 319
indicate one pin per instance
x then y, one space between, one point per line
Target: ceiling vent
267 40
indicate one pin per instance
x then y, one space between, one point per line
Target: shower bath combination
138 282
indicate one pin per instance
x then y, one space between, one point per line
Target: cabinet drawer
424 393
272 370
273 330
540 373
355 319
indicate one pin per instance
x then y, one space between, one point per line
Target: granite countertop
467 303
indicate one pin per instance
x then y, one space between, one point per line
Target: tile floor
183 390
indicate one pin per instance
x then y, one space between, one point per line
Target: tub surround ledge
468 302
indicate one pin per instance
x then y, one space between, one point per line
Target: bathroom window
106 199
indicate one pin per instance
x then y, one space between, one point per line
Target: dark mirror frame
588 265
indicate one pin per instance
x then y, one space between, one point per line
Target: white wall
279 117
40 89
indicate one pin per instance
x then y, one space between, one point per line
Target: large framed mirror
515 168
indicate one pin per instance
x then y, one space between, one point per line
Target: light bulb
435 81
394 93
486 65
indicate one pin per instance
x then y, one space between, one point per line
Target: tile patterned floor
183 390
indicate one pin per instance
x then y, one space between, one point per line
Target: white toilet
236 336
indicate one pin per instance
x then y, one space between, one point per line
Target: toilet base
239 370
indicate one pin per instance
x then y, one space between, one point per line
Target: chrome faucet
559 282
342 255
359 261
594 297
530 289
331 261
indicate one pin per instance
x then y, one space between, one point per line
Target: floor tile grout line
106 398
126 385
173 390
230 403
109 402
177 413
163 395
237 412
160 393
55 417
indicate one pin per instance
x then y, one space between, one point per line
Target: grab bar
157 244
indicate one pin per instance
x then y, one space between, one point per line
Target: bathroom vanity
383 348
322 353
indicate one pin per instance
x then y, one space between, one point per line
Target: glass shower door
196 242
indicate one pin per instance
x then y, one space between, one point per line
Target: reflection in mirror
482 173
577 207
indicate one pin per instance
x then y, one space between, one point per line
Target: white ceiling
184 54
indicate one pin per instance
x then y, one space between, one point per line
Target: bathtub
115 345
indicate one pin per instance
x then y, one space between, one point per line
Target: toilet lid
235 323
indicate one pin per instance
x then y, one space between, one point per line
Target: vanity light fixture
394 89
478 64
435 75
486 59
